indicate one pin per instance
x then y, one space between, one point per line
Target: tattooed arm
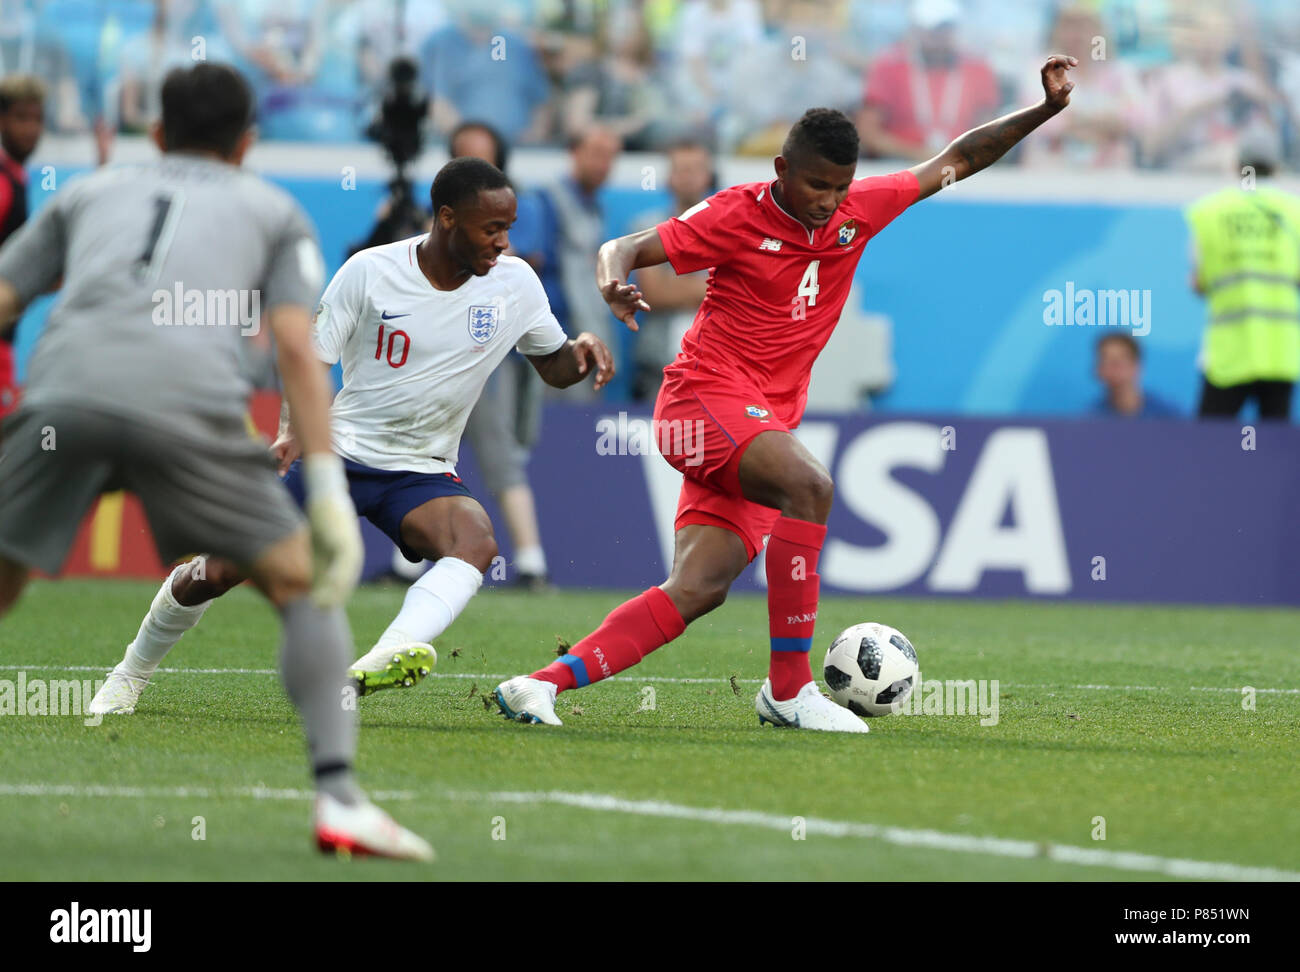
981 147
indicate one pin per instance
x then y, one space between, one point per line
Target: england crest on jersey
483 320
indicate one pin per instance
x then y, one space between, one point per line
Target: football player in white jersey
418 325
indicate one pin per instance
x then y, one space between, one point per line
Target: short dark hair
500 150
207 107
824 132
20 89
1129 342
464 178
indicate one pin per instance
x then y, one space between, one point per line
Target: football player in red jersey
782 257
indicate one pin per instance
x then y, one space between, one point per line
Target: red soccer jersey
775 289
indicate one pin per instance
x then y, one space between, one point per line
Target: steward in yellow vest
1247 266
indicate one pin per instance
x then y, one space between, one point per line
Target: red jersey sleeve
880 199
699 238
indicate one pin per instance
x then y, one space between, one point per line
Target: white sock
161 628
530 560
432 603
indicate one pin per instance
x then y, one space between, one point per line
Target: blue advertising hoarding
1084 509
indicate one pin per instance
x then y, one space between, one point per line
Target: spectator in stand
475 68
383 30
1101 128
1198 104
872 26
169 42
279 42
562 232
925 91
506 420
674 299
1119 369
611 86
22 121
712 36
25 49
770 86
281 47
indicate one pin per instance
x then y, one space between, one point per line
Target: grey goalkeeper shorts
207 485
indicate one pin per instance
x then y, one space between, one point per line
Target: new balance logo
770 244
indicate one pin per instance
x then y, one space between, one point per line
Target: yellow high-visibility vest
1248 244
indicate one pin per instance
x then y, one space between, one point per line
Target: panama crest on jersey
483 320
848 229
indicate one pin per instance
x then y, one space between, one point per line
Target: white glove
337 552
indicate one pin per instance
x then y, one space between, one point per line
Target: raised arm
981 147
616 260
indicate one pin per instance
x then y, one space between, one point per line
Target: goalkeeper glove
337 552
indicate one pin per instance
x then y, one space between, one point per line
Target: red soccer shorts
704 421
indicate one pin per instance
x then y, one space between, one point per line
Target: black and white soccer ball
871 669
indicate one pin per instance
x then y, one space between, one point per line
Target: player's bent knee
487 554
695 598
479 550
208 578
810 495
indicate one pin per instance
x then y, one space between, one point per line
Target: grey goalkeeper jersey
167 267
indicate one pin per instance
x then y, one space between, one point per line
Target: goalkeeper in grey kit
116 402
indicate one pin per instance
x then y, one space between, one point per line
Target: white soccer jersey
415 358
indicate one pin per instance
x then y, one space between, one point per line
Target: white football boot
118 695
525 699
363 830
807 710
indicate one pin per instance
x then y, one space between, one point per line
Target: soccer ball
870 669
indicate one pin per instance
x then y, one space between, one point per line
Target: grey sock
314 661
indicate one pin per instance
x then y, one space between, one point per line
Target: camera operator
397 128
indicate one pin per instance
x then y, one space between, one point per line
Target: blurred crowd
1161 83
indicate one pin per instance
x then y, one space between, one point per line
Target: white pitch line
1018 685
171 792
668 679
170 671
902 836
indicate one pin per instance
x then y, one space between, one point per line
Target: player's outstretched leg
176 608
317 645
778 471
706 561
454 531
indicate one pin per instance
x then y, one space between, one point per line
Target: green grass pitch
1134 715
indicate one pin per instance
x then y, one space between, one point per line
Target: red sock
632 631
792 588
